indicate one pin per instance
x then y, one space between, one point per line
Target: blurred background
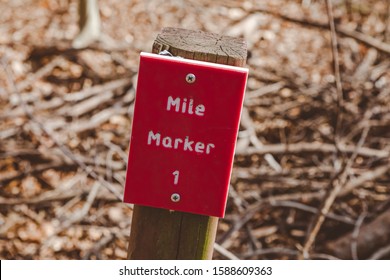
311 176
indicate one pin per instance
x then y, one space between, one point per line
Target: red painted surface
184 135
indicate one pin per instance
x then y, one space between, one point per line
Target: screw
175 197
190 78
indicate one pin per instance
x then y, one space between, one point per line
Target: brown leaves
60 166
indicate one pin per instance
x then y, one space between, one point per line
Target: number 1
176 179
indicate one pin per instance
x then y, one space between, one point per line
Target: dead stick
311 147
387 28
159 233
337 74
363 38
339 181
382 252
373 236
336 185
355 235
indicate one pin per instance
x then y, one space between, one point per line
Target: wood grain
203 46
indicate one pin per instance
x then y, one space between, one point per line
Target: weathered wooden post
163 234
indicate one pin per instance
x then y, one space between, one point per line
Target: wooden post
163 234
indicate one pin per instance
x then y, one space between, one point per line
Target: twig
239 223
335 54
98 119
61 212
248 124
373 235
303 207
255 244
355 235
267 251
323 256
76 217
12 220
23 153
316 225
87 105
336 184
254 208
237 200
224 252
116 149
43 71
366 39
38 169
95 250
7 133
366 176
341 176
387 28
272 88
311 147
293 196
88 92
382 252
286 251
336 70
363 70
363 38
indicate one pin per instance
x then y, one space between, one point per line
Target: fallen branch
65 191
268 251
37 170
340 179
42 72
87 105
337 183
224 252
97 248
372 237
97 120
247 122
314 147
98 89
363 38
255 208
310 209
365 177
382 252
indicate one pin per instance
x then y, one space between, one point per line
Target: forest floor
311 176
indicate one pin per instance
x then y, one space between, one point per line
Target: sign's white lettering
176 173
184 106
179 143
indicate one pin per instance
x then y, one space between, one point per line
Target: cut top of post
199 45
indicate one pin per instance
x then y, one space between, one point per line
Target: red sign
184 131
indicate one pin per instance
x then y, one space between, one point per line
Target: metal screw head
175 197
190 78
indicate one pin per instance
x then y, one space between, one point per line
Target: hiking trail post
160 233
